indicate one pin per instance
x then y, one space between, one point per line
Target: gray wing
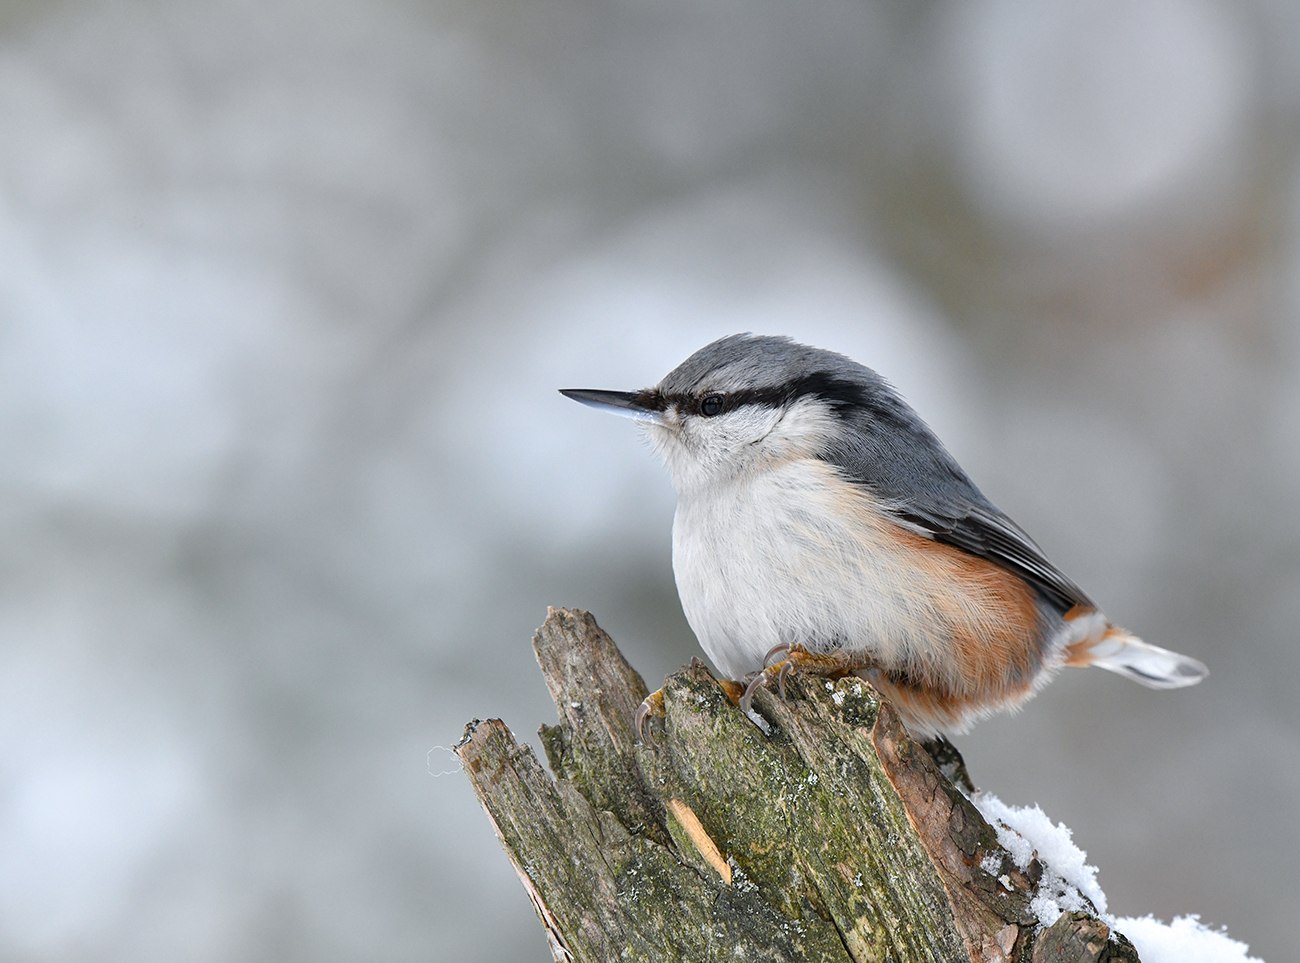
892 452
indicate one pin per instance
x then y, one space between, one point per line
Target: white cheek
703 452
744 426
805 428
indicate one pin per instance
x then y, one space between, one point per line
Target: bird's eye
711 405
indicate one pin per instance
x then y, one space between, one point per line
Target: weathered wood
832 837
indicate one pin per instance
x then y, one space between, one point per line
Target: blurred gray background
286 291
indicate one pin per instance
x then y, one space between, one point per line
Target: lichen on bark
833 836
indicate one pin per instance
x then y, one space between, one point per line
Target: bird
822 527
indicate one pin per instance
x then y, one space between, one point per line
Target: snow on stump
834 836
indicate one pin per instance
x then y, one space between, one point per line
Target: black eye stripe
841 394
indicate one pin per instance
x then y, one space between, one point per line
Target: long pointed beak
627 404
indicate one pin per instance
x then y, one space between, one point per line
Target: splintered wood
834 837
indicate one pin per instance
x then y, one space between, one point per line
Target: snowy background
287 288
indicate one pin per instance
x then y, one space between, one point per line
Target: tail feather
1154 667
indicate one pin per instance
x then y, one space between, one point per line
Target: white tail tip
1145 663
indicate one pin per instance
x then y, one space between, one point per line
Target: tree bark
834 836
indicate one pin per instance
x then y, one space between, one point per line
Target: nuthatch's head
747 401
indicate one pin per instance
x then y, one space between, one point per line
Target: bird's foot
796 658
652 707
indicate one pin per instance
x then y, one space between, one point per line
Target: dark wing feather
993 536
888 449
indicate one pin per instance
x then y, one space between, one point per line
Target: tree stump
833 836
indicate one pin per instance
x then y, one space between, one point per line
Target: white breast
795 554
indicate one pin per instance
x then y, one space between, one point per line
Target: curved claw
652 705
756 683
787 667
641 723
792 656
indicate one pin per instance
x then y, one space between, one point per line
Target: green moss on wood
842 839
